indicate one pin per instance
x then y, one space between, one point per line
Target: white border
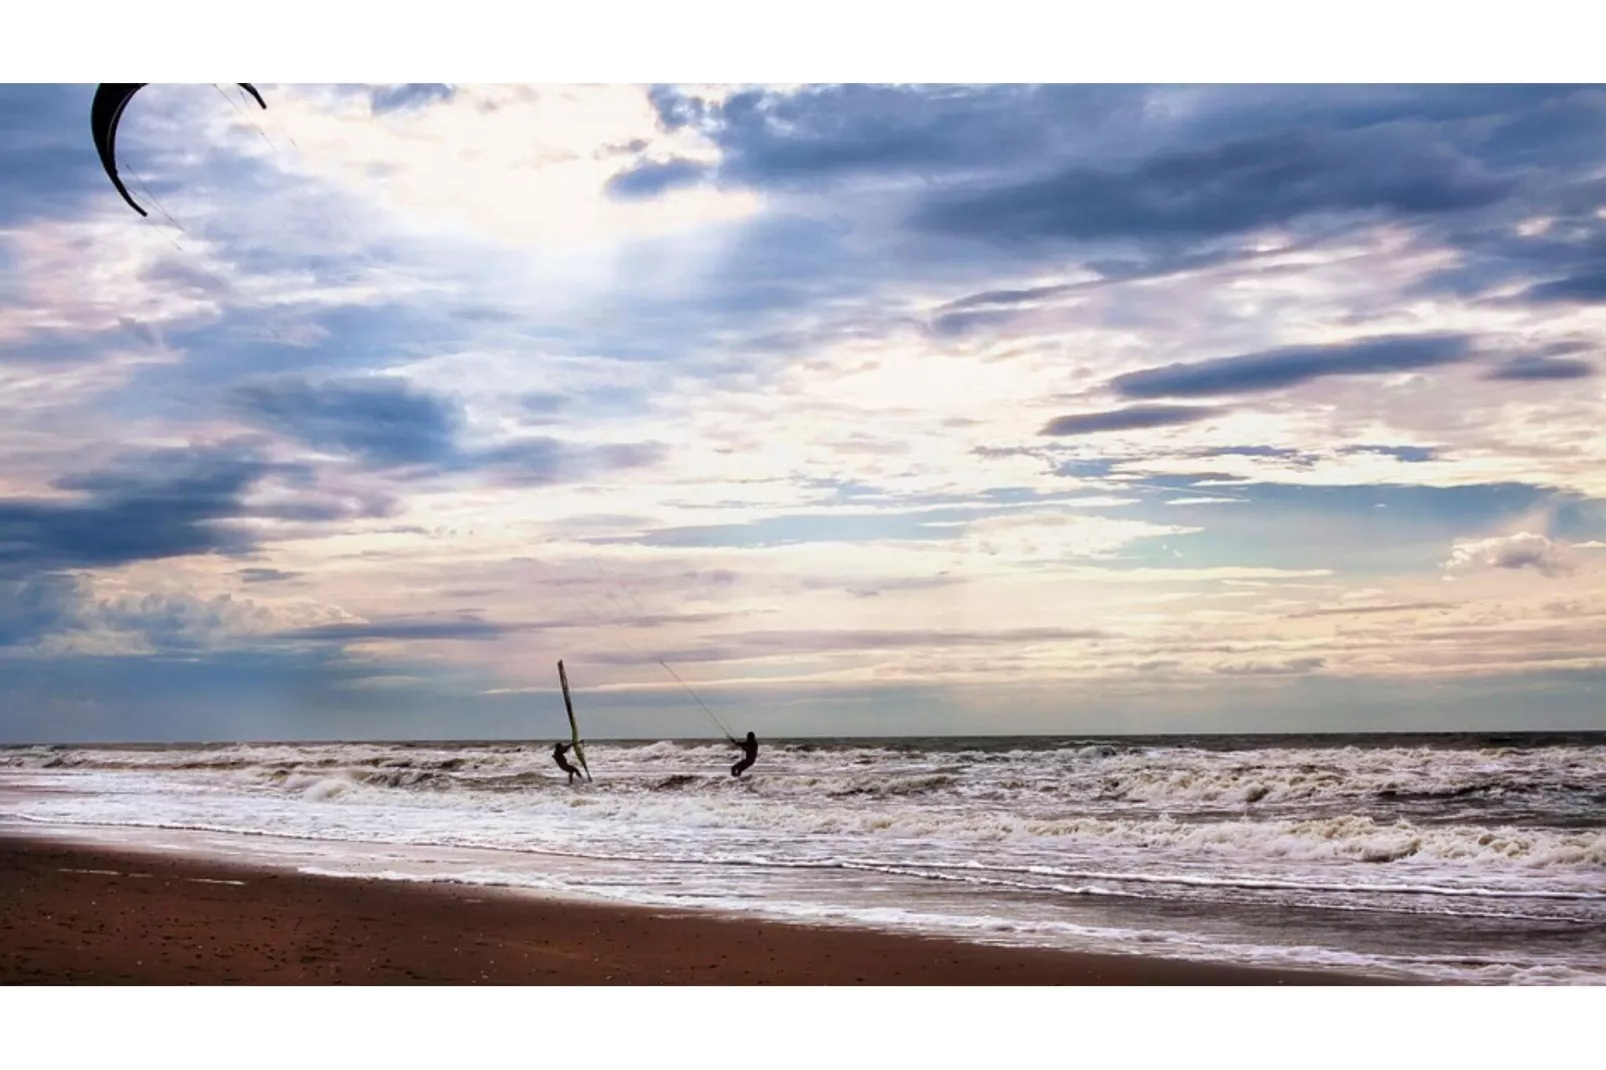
823 40
1197 1029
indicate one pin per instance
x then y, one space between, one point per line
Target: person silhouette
749 754
558 752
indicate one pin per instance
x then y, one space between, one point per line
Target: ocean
1474 859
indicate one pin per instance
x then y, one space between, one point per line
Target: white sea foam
1098 845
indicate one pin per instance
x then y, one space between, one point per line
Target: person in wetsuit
558 752
749 754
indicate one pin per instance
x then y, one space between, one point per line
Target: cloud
1585 288
1541 369
543 404
1362 610
1249 183
387 423
1523 550
1132 418
450 629
1295 525
168 623
383 420
794 341
404 97
648 180
1274 369
149 506
1281 453
1403 454
35 607
913 583
50 175
185 276
1287 667
469 627
540 461
1034 538
61 613
265 575
818 133
753 645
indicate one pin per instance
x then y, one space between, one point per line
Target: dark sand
84 915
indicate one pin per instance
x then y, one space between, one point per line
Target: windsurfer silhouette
558 752
749 754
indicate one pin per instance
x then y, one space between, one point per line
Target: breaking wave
1030 837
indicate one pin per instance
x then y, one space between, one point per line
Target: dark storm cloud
1557 262
1171 175
1542 369
820 132
1231 188
1275 369
149 506
1396 134
385 421
1133 418
388 424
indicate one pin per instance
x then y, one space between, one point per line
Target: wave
903 819
1035 840
1570 778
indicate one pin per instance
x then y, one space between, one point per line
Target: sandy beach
73 915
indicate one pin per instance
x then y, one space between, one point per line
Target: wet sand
85 915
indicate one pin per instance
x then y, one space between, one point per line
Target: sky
870 409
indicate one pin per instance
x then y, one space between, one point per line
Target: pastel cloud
1525 549
1176 394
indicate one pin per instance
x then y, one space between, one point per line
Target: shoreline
77 914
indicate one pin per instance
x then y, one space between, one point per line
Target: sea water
1478 859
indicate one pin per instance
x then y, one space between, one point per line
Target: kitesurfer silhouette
749 754
558 752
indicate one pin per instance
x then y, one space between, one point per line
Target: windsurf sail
574 726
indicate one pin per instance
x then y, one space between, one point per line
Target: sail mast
574 726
